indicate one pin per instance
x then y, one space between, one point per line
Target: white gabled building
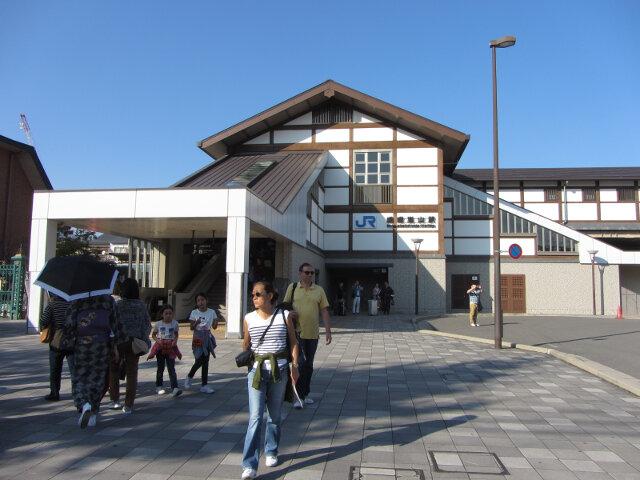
345 182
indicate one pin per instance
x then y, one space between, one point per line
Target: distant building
346 182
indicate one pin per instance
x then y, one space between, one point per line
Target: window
626 194
372 177
331 112
250 175
588 194
373 168
550 194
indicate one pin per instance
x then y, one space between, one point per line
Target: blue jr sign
366 221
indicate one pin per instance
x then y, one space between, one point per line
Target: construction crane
24 125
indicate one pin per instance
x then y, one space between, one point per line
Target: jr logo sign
365 221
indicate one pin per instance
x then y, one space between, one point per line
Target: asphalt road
610 341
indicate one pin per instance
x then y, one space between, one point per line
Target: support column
42 248
237 268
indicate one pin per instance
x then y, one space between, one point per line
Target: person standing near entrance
474 301
356 294
54 317
309 302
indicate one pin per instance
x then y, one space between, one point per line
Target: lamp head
416 242
503 42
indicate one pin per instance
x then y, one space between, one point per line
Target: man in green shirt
309 302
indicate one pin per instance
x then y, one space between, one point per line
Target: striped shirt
55 317
276 338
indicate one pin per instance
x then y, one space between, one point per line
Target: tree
73 241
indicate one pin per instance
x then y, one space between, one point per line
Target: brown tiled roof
548 174
278 186
30 163
451 141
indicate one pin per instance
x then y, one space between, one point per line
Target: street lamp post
416 244
502 42
592 254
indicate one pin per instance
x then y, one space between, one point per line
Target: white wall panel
549 210
416 156
417 196
473 228
263 139
417 176
618 211
201 203
336 241
292 136
430 241
237 202
512 196
574 194
314 234
582 211
332 135
97 204
336 177
528 245
534 195
448 210
314 212
403 135
381 134
305 119
336 221
373 241
40 206
359 117
448 228
448 246
336 196
608 195
338 158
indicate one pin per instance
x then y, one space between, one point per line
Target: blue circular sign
515 251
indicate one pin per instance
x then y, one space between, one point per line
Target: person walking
341 307
375 295
356 294
309 302
54 317
136 323
95 330
165 334
474 303
202 320
266 330
386 297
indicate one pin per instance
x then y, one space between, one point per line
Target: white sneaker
126 409
308 401
207 389
176 392
114 406
93 419
248 473
271 461
160 391
187 383
297 404
84 415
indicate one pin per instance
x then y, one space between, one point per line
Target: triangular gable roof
30 163
451 141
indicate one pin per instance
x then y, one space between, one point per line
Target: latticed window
332 112
588 194
372 175
626 194
551 194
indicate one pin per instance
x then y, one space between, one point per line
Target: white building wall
337 196
582 211
618 211
417 176
332 135
406 157
372 241
380 134
417 196
292 136
549 210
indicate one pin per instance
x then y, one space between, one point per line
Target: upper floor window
551 194
626 194
331 112
373 168
588 194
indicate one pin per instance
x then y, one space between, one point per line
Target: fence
12 288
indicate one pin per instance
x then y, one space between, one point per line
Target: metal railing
12 288
372 194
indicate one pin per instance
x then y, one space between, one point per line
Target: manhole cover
381 473
467 462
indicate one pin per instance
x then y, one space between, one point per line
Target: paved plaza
390 403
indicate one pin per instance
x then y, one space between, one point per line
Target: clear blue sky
118 93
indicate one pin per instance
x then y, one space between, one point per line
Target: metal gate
12 288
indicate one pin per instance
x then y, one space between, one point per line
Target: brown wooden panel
513 293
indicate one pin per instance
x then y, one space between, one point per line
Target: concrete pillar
237 268
42 248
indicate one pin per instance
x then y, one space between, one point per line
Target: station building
347 183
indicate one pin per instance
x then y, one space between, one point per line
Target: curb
622 380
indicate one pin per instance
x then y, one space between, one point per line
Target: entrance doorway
459 286
367 276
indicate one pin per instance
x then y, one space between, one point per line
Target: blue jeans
308 347
271 394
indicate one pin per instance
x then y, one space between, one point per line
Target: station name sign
413 221
378 221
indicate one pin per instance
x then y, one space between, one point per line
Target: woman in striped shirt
267 378
54 316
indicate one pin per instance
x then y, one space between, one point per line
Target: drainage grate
382 473
481 463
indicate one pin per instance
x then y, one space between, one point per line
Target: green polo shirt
308 304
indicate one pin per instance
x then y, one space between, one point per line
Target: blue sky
118 93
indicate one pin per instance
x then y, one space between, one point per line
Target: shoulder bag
245 357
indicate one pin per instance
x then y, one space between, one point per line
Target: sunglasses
308 272
257 294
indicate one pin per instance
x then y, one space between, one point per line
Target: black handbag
245 357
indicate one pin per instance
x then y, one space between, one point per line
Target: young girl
165 333
202 320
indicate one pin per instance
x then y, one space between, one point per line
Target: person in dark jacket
54 317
